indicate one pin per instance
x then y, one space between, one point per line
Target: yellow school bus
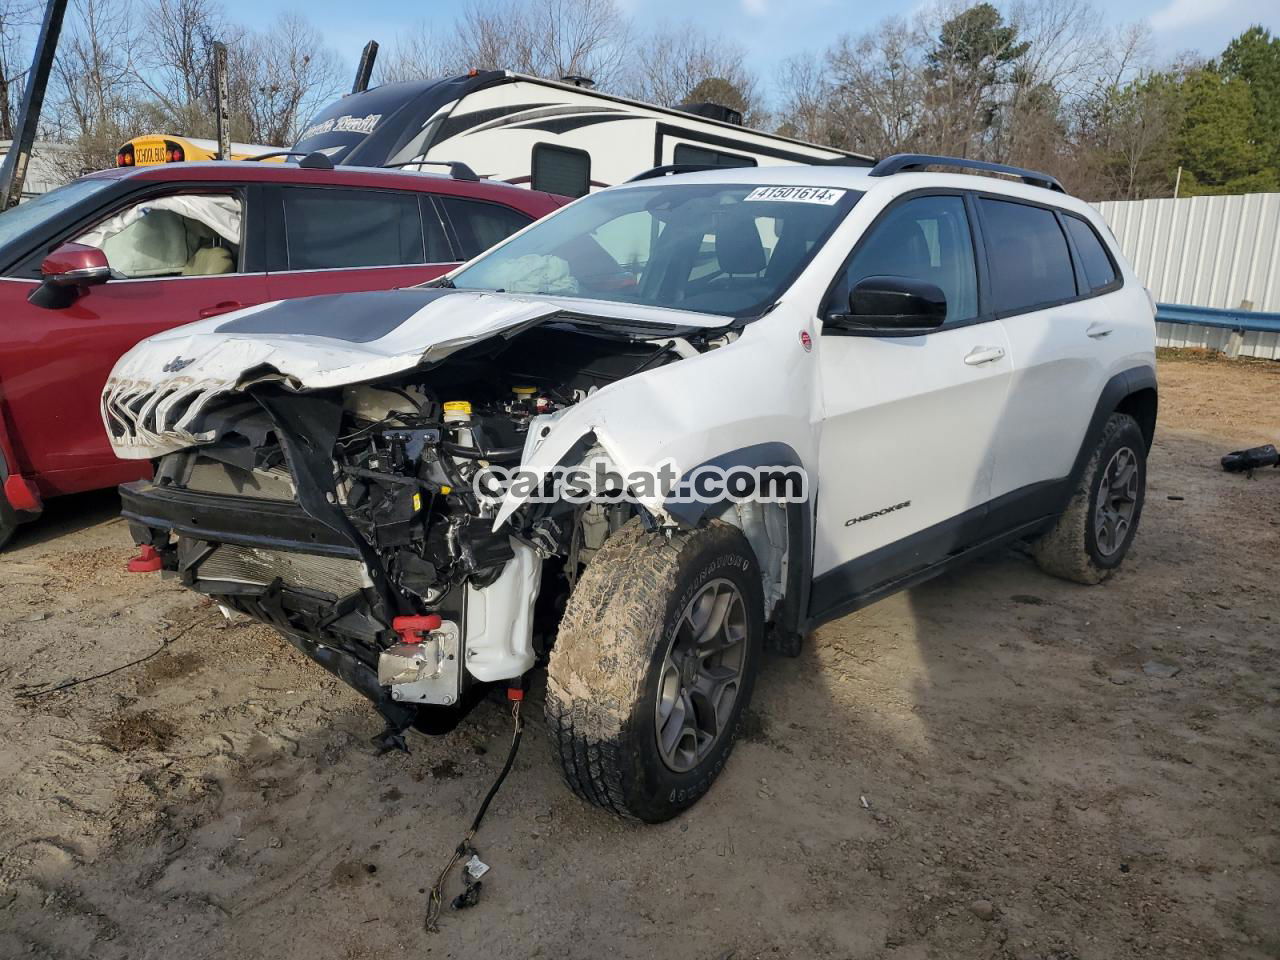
155 148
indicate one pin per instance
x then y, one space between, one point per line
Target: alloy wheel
701 675
1117 501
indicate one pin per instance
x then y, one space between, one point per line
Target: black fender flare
790 615
1114 392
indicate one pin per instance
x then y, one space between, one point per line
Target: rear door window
347 228
1098 268
1028 256
478 224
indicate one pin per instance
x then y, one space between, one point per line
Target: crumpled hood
159 388
326 341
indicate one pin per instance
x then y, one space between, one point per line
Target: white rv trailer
559 137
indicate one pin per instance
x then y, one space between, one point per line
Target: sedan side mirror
67 271
893 303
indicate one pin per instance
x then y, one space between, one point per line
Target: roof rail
457 169
667 169
312 161
917 161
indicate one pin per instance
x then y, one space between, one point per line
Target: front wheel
655 660
1090 540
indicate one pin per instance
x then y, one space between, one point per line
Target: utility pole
364 71
14 171
221 96
1177 182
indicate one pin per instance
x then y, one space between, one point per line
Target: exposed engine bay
348 517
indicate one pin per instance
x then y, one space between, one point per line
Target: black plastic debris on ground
1246 461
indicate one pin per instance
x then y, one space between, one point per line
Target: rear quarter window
1028 256
1098 267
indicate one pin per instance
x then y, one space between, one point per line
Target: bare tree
878 89
176 63
677 60
547 38
805 93
1065 49
286 75
94 95
17 17
580 38
590 38
422 53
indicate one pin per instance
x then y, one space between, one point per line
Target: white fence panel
1205 252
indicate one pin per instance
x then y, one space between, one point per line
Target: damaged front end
347 516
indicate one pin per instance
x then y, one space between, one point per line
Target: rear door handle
222 306
980 355
1098 330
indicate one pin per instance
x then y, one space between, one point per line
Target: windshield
16 221
727 249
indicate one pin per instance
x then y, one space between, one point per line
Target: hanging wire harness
471 895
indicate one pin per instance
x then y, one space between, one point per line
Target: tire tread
1062 551
601 656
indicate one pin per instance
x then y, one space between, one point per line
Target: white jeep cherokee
950 362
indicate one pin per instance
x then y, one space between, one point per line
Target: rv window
687 153
561 170
337 229
479 225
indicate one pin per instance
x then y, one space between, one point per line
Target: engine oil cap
524 393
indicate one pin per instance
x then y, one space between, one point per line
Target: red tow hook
413 629
148 560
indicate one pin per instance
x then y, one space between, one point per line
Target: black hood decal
354 317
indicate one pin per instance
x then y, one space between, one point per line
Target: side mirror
66 271
893 303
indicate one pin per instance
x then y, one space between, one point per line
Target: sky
772 30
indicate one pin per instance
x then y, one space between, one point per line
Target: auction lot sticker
823 195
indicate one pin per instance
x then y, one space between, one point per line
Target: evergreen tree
1254 57
1215 143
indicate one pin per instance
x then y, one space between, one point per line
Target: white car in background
951 361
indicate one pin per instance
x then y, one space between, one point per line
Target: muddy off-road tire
643 695
1090 540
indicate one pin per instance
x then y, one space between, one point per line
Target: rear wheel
654 663
1090 540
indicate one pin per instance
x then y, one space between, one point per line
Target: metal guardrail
1243 320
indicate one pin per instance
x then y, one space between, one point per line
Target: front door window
184 235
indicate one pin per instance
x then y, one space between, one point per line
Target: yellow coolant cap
457 411
524 391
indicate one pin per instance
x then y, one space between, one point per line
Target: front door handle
1098 330
222 306
980 355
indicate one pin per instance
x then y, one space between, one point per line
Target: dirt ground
994 764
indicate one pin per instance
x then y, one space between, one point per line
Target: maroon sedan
91 268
